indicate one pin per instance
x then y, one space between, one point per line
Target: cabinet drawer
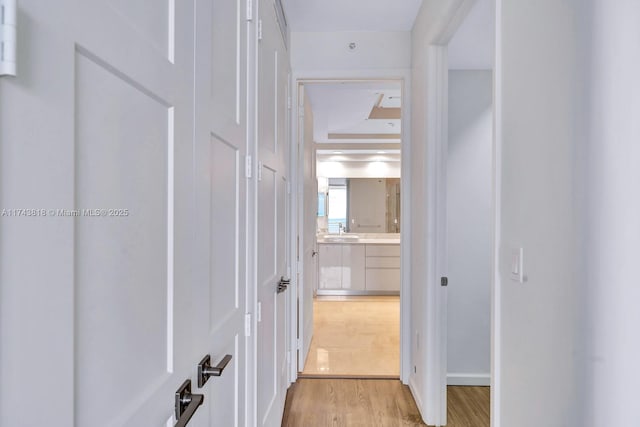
383 262
383 250
380 279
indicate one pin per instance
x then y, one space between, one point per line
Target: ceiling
356 112
351 15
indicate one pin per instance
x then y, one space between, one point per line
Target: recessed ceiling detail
356 112
380 112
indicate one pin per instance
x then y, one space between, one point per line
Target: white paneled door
123 228
272 220
220 184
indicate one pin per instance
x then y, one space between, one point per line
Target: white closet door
273 226
108 301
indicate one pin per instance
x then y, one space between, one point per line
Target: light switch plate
517 265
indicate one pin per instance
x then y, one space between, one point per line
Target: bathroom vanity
362 264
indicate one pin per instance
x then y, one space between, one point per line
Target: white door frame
404 77
436 249
496 318
436 161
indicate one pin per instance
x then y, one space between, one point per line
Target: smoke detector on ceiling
352 46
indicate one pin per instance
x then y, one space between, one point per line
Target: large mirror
359 205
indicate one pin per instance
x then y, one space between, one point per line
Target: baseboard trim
468 379
415 392
347 377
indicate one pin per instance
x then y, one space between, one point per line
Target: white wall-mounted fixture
517 265
8 37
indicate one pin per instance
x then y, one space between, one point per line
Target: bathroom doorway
350 134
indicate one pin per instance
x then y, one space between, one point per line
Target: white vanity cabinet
383 268
358 268
341 266
353 261
329 266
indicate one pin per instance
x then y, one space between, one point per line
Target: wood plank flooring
375 403
355 336
468 406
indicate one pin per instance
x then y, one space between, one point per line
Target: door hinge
249 10
288 103
248 167
247 325
288 187
8 37
299 344
259 29
259 312
444 281
288 357
259 171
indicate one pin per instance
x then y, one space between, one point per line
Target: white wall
541 81
469 224
570 102
336 169
472 46
316 51
612 178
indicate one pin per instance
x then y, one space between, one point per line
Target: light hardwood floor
375 403
355 336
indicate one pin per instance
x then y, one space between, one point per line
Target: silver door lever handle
283 284
186 404
205 370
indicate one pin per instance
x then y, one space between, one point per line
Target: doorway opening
467 189
350 137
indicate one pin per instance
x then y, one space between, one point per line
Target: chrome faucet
340 228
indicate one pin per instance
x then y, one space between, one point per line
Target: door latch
444 281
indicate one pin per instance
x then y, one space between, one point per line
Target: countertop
362 238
